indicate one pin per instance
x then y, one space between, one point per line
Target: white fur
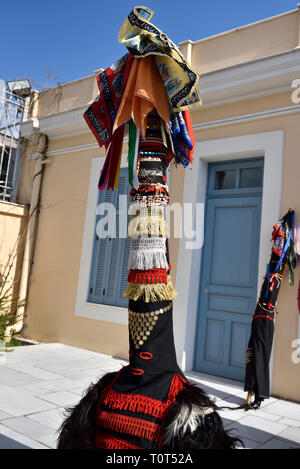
182 423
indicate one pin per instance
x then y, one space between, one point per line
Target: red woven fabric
148 276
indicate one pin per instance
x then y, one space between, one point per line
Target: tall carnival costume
257 380
149 403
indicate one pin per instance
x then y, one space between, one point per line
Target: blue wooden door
228 285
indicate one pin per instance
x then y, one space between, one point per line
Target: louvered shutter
110 256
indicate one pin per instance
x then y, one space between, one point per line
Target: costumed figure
262 330
149 403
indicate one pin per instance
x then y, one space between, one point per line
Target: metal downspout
31 235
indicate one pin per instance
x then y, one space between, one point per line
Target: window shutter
100 258
110 256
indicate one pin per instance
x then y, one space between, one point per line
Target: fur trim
188 419
194 423
151 292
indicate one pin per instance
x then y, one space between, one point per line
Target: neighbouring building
246 172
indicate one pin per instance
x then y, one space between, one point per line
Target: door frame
268 145
223 196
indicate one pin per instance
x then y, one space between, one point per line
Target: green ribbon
131 149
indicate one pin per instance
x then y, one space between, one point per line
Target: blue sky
71 39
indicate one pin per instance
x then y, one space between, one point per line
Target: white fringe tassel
145 260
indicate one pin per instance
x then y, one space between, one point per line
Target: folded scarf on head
143 93
142 39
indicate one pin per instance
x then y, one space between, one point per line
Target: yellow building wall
241 45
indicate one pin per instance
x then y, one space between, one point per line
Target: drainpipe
31 235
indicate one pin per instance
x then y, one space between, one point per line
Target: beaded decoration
149 200
142 324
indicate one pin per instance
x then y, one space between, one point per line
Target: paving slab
292 434
12 377
95 373
17 402
35 389
60 384
61 398
279 443
27 427
284 409
259 423
265 415
51 418
34 371
256 429
4 415
291 422
49 440
17 438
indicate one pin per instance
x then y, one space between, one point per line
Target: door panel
228 287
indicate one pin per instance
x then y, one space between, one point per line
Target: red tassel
131 425
139 403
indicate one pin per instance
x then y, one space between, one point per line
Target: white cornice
58 124
250 80
267 114
295 108
261 77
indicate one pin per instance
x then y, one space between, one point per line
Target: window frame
84 308
110 249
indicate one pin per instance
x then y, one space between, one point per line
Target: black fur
210 433
78 431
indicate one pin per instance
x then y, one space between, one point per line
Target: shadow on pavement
8 443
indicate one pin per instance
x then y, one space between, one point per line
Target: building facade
244 177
